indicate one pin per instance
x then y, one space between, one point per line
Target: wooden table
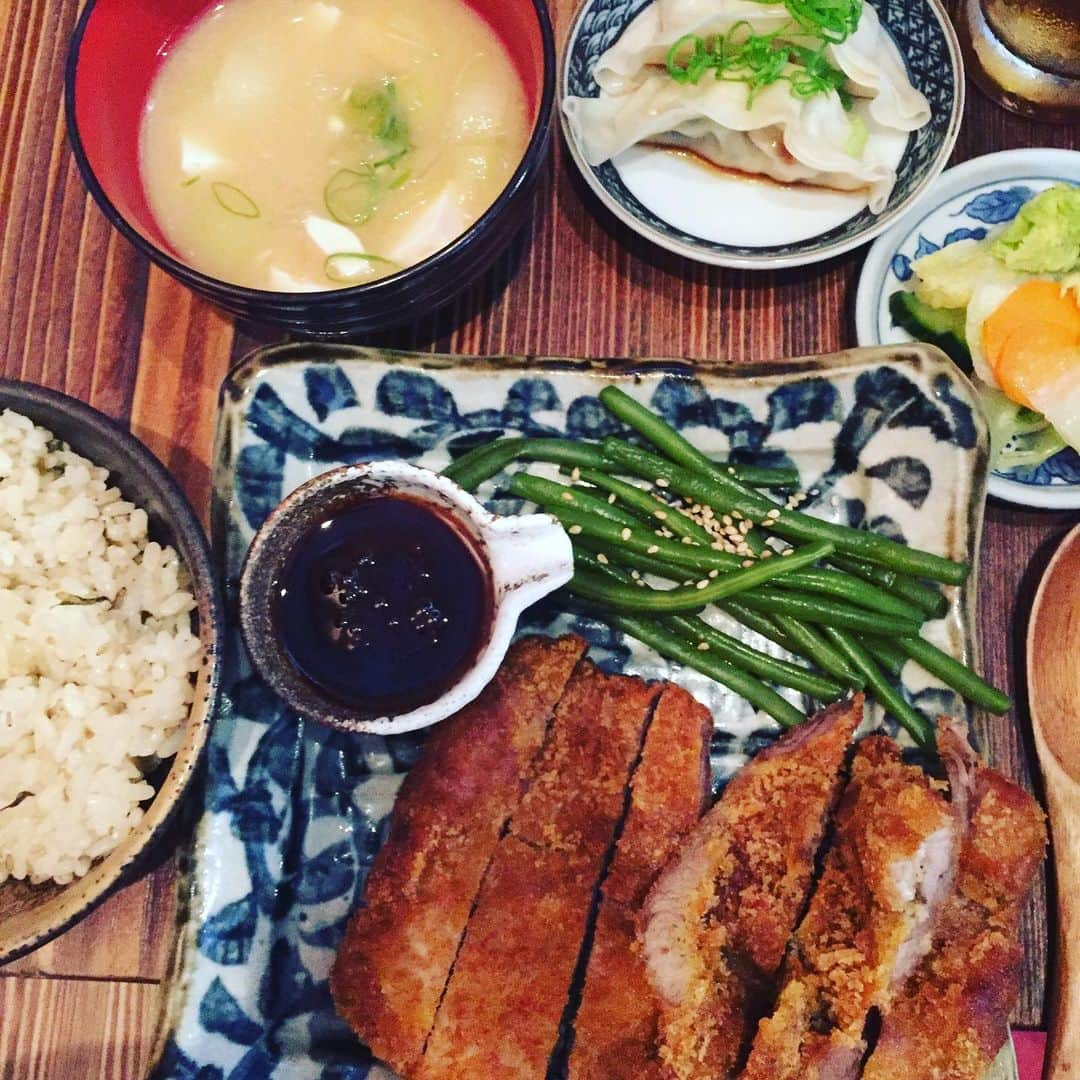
81 311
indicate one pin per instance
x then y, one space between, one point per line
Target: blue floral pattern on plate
917 27
293 814
971 215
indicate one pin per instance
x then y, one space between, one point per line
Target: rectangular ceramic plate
293 814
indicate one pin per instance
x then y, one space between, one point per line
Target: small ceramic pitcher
524 558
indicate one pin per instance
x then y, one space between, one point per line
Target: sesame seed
660 515
773 514
652 549
736 515
703 583
575 473
687 540
601 558
731 471
690 582
568 496
714 573
787 551
625 534
660 482
727 519
745 527
574 530
747 563
766 553
611 498
834 501
635 574
703 646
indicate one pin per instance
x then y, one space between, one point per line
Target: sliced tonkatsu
616 1027
950 1018
501 1011
453 806
716 923
868 922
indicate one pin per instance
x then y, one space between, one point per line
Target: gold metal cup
1025 54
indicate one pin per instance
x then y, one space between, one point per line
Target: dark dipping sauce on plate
383 604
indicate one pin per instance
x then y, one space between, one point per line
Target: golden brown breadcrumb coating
452 807
615 1031
511 981
862 916
717 921
950 1019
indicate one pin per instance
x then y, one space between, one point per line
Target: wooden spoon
1053 664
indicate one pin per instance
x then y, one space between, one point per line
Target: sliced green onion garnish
351 196
794 53
234 200
347 267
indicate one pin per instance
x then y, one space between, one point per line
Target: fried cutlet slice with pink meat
717 921
453 806
868 923
616 1027
506 996
950 1018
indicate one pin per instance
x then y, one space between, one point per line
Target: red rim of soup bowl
116 51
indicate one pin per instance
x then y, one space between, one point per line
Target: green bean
807 641
685 598
646 564
592 518
670 443
728 648
927 600
893 701
638 499
545 492
756 621
696 560
725 494
821 611
482 463
674 648
778 671
860 593
887 653
952 673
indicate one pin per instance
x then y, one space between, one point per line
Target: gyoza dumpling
772 131
810 140
867 57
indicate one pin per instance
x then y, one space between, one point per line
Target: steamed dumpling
810 140
779 135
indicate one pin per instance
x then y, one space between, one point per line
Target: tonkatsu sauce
384 604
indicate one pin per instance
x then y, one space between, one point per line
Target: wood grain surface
81 311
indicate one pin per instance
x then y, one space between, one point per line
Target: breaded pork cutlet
616 1028
949 1020
716 922
501 1011
868 922
452 807
500 1017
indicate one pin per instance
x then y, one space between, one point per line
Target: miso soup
297 145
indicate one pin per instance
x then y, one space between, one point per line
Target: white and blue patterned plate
706 216
292 814
968 202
